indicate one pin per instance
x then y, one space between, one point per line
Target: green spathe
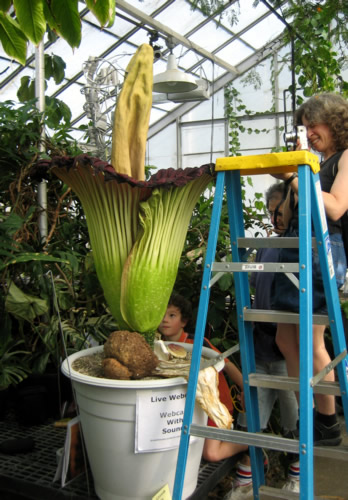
150 271
137 233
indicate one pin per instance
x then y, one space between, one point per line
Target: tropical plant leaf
53 26
26 90
13 364
14 42
58 67
56 112
104 10
23 305
31 18
32 256
66 20
54 68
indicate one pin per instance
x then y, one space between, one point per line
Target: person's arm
234 373
336 202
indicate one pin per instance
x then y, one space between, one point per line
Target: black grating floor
30 475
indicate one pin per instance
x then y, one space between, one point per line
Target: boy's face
172 324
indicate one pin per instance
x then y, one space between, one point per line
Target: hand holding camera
297 140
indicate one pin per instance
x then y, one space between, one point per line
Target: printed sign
163 494
159 417
253 267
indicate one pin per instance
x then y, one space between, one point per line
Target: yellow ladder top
271 163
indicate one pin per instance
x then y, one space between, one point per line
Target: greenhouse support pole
40 103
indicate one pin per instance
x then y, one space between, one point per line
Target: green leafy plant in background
33 17
14 363
30 267
319 32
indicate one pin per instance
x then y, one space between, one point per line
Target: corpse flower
137 228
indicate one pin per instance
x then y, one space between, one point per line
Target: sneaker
327 436
292 485
240 492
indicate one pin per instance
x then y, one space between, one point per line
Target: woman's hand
284 176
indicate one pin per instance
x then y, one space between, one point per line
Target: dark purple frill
164 177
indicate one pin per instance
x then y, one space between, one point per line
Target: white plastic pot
132 430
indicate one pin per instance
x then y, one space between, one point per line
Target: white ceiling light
201 93
173 80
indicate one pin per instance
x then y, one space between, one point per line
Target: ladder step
266 316
283 242
259 267
258 439
291 383
265 440
268 493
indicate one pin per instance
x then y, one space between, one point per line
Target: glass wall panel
197 160
207 109
162 149
202 138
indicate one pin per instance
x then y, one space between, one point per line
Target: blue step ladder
311 210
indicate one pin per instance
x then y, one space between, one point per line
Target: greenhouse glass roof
215 48
243 43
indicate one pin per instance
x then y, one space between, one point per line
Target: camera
299 133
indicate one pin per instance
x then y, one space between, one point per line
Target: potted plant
137 230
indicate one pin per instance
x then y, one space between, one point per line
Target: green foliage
344 306
317 30
32 271
20 140
13 40
104 11
56 111
32 18
234 108
13 363
54 68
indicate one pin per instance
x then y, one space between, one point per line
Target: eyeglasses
236 399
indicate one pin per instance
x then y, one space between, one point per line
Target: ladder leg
246 342
199 336
306 335
331 292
